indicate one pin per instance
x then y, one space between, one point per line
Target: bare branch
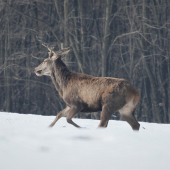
36 19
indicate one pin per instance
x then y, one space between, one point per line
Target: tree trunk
157 110
106 39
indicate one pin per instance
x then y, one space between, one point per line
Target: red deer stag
85 93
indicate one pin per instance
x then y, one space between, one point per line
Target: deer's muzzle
38 72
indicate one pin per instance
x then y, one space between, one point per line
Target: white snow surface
26 142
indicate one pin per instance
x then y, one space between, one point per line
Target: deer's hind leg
111 104
106 114
131 120
60 114
127 112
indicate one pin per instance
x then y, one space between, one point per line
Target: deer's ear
54 57
65 53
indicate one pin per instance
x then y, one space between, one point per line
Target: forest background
116 38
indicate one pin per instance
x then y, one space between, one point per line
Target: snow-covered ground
27 143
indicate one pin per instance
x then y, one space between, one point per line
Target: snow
26 142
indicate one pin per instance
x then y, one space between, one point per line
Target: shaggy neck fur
60 75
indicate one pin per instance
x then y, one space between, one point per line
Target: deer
86 93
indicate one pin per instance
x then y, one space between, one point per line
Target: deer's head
45 67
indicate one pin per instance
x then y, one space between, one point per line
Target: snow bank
27 143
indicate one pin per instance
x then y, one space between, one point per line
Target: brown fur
85 93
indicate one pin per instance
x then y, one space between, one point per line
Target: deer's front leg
60 114
72 112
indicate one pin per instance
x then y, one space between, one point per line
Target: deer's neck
60 75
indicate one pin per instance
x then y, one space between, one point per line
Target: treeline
117 38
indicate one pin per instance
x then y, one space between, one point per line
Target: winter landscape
26 142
